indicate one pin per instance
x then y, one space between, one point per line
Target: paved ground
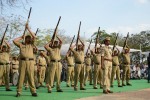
136 95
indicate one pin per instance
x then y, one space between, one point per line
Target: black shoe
129 84
18 95
75 89
84 84
123 84
91 84
82 89
101 87
68 85
49 91
34 94
72 85
8 90
59 90
112 86
95 88
37 87
119 85
105 92
109 91
26 88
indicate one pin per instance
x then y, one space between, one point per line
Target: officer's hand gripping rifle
2 40
55 32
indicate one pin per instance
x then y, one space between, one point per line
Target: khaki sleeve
49 49
102 51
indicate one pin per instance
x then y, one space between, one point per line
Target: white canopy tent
65 48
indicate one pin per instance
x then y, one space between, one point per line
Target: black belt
55 60
4 64
97 63
115 65
14 64
15 68
27 59
79 63
42 65
70 65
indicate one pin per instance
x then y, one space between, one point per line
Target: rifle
115 42
97 39
27 21
125 42
55 31
89 47
72 41
78 36
36 31
4 35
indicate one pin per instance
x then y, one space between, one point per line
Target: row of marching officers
99 65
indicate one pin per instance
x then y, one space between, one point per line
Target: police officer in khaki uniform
79 65
41 63
47 57
88 68
97 65
106 66
4 64
70 69
55 64
15 65
126 66
115 68
26 62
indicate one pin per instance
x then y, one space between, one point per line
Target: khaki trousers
115 70
107 75
100 77
88 73
70 75
55 70
35 76
4 72
41 74
97 68
126 73
79 74
26 67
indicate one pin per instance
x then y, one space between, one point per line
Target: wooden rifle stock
96 41
36 31
72 41
89 47
78 36
4 36
55 31
27 21
125 42
115 42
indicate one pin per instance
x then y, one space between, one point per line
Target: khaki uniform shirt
26 51
54 53
126 58
15 64
88 61
79 56
4 57
97 58
41 61
70 60
115 61
107 52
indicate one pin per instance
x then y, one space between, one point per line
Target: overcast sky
111 15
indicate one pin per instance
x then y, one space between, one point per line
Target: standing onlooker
148 61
